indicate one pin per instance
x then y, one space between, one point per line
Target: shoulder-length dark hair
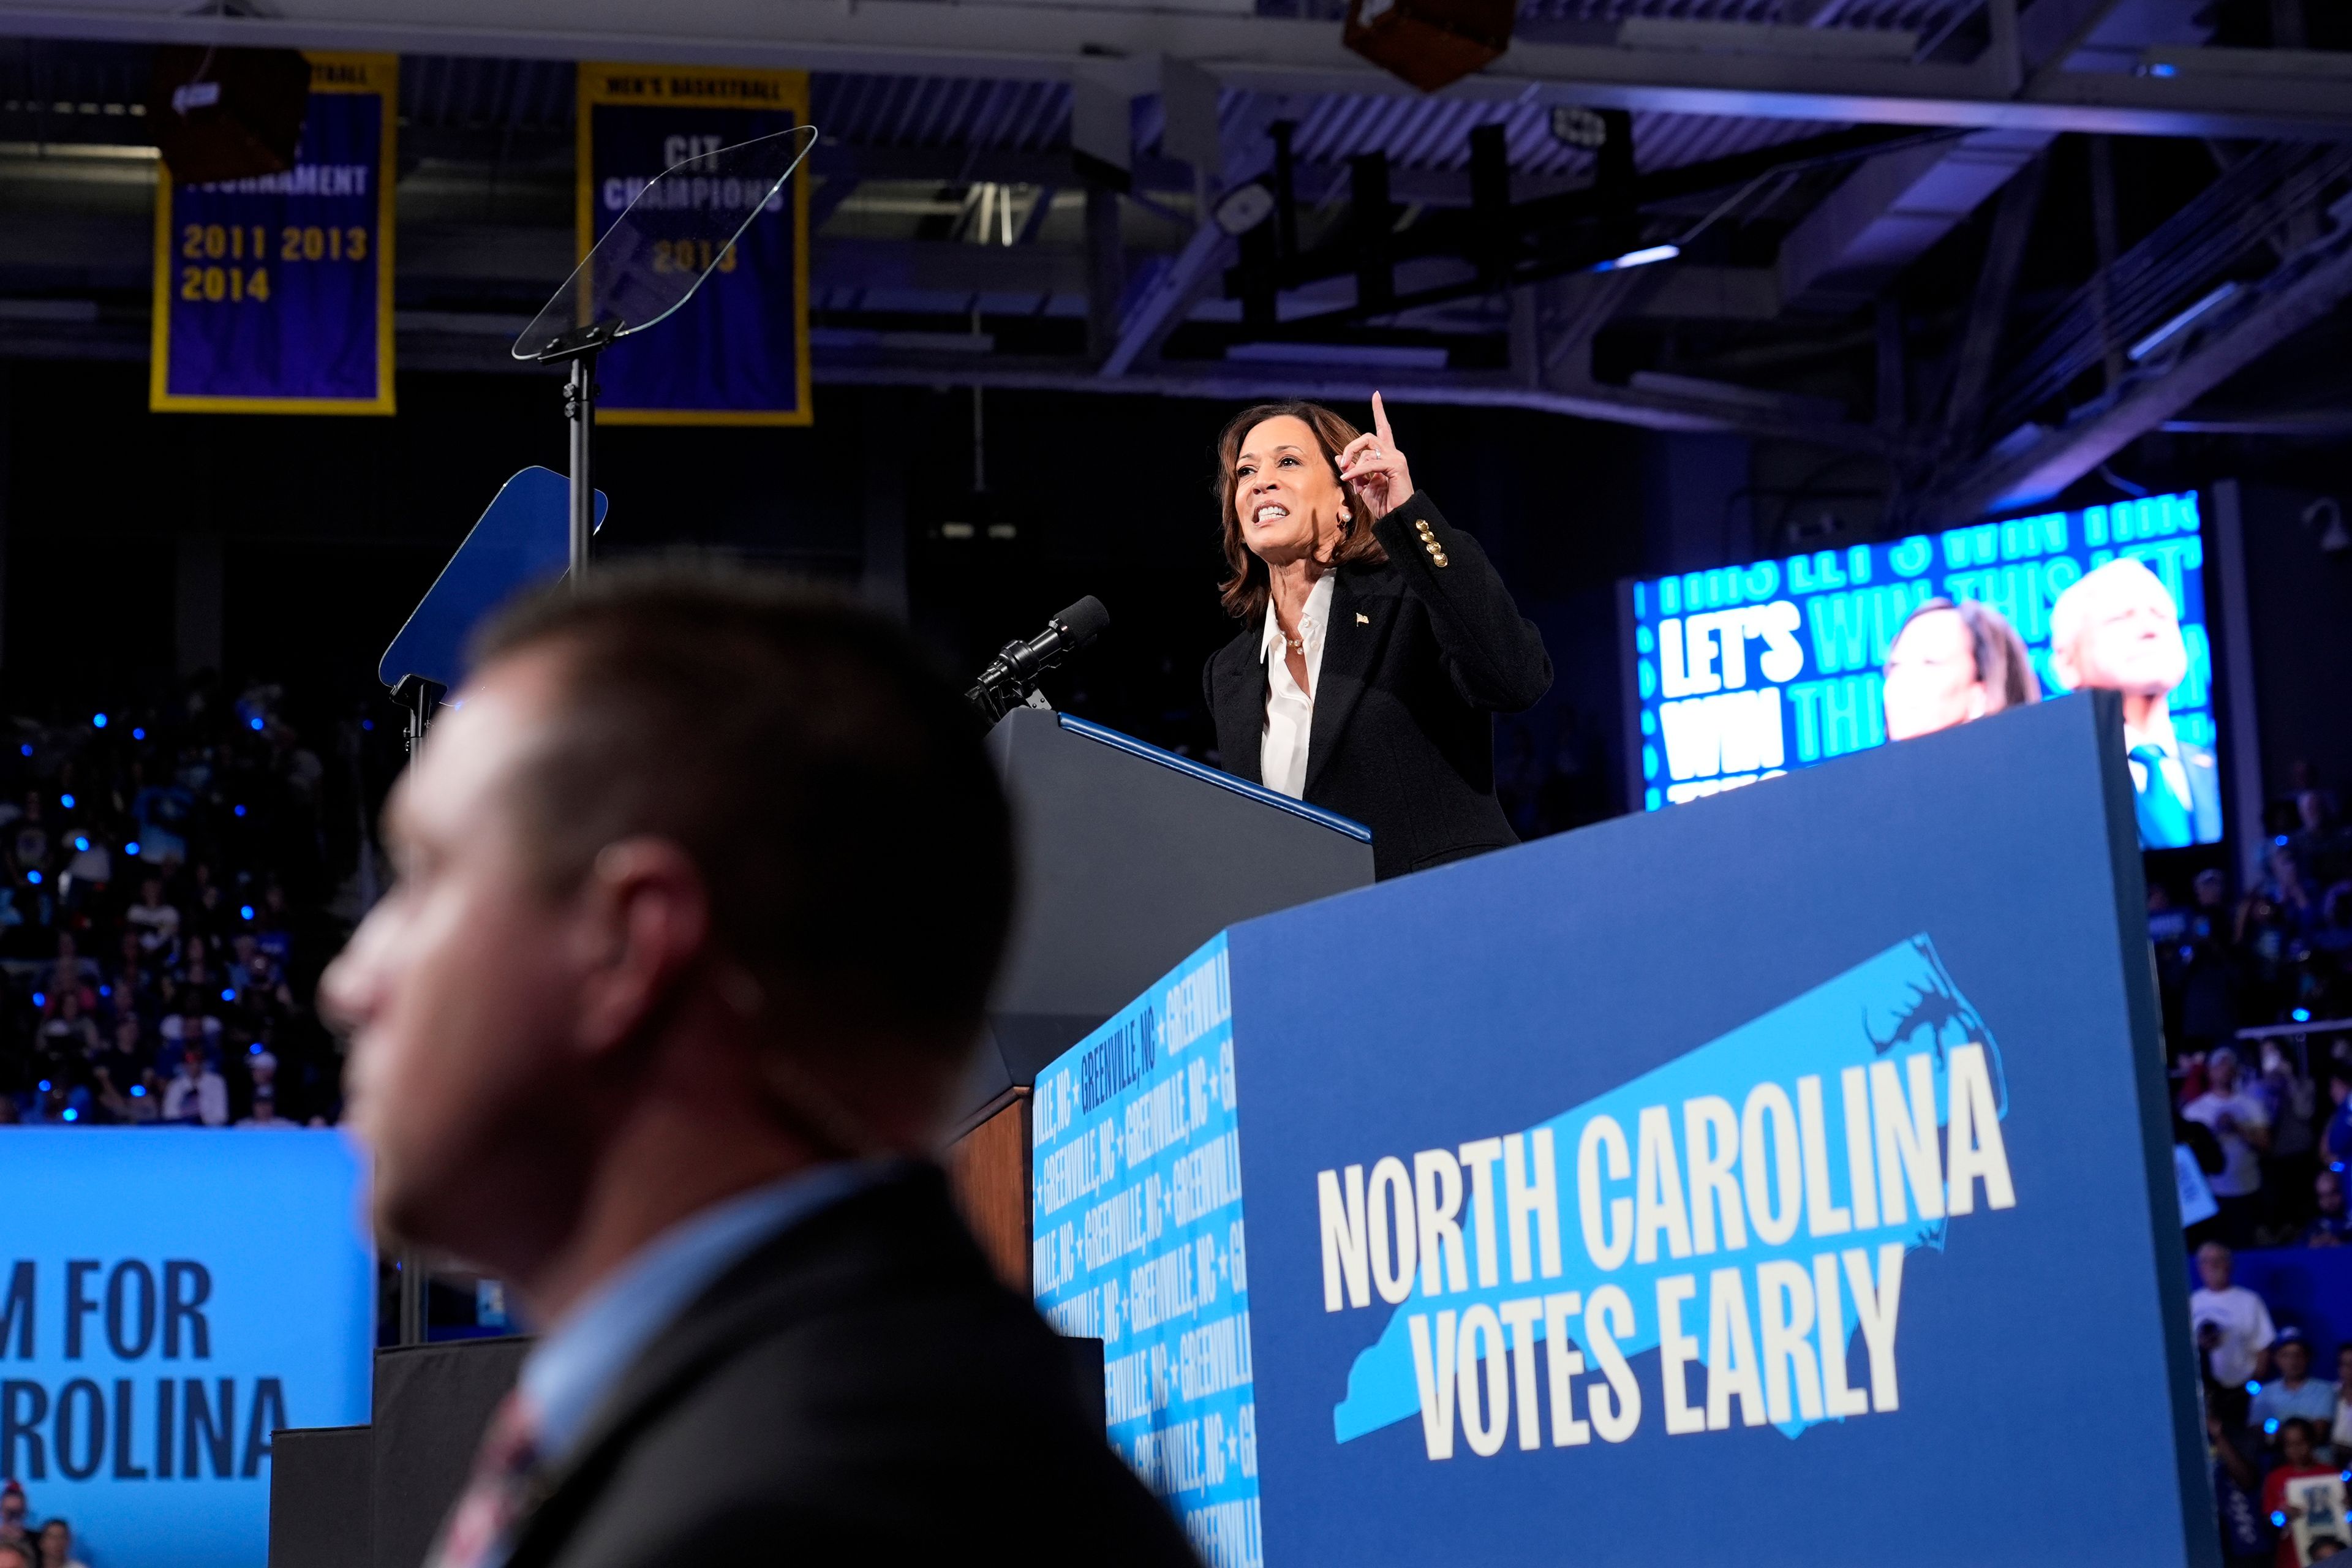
1243 592
2003 663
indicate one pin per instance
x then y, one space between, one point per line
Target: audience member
2241 1123
15 1514
58 1543
2332 1227
2297 1461
2339 1423
157 922
2237 1479
196 1093
265 1110
2239 1348
2293 1392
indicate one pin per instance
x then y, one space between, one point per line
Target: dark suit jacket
1417 660
2204 804
858 1390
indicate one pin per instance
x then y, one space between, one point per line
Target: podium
1687 1177
1129 858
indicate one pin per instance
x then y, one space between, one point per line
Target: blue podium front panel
1785 1178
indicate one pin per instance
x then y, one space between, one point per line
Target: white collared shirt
2158 734
1290 712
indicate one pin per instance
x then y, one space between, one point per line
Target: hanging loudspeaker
228 114
1429 43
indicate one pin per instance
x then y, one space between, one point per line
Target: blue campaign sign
273 294
737 353
1743 672
168 1299
1739 1211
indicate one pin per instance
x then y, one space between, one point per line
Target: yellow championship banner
737 353
273 293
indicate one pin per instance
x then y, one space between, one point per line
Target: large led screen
1744 672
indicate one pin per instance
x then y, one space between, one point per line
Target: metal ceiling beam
430 345
1262 53
1169 298
2292 300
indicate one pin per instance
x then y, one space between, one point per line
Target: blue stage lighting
81 841
132 847
229 993
97 721
240 811
2300 1015
139 733
138 1091
367 724
106 991
255 722
245 912
45 1085
34 877
2278 1519
40 999
72 1115
2269 1427
2252 1387
67 801
254 1049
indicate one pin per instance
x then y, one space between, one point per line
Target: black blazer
1416 659
859 1390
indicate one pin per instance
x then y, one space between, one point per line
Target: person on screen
1952 664
652 1028
2117 630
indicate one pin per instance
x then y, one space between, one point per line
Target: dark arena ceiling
1985 243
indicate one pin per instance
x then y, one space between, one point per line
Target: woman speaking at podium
1376 643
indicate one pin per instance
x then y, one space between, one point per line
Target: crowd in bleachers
29 1540
2257 997
163 875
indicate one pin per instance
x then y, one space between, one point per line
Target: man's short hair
828 781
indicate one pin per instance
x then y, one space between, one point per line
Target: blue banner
1743 672
737 353
1763 1209
168 1299
273 294
1138 1242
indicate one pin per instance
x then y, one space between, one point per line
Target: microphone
1005 683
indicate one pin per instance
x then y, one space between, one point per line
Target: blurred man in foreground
701 892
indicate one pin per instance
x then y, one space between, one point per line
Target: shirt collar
574 1367
1310 619
2156 733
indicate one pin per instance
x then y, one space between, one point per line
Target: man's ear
2062 664
645 914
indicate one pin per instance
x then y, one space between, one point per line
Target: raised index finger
1381 422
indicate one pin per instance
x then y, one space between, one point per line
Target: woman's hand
1377 470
